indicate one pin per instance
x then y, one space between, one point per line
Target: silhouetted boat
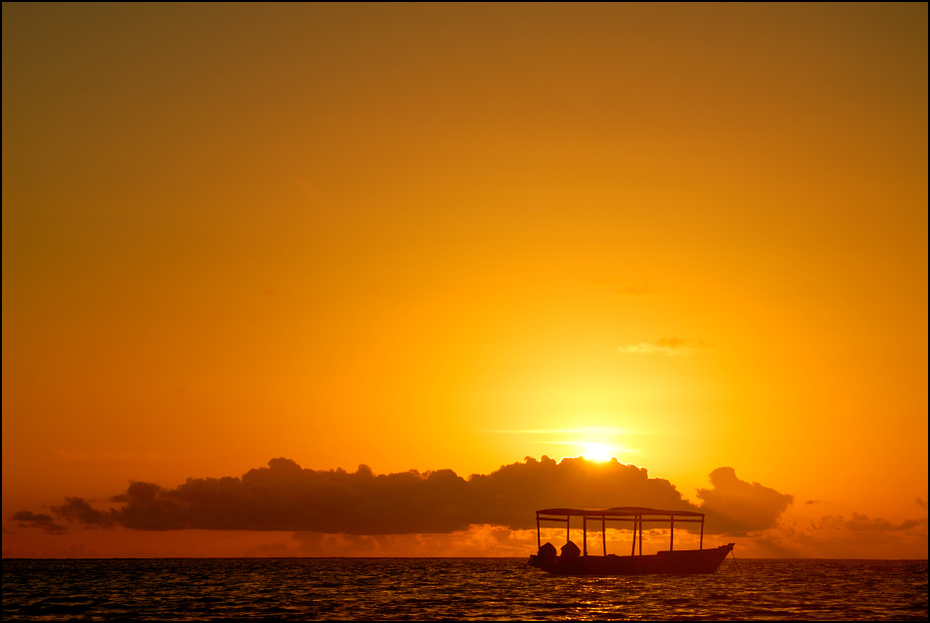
575 561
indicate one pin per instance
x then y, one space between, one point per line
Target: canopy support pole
633 551
584 535
604 532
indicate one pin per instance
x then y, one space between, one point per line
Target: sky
367 279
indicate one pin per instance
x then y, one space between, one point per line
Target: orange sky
453 236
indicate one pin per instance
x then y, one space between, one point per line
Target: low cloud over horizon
284 496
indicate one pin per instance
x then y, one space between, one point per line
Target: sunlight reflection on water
458 588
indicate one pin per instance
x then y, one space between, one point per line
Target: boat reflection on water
575 561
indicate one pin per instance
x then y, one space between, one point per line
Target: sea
204 589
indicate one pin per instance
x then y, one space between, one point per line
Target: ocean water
453 588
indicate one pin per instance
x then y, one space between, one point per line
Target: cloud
283 496
477 540
862 523
28 519
668 346
77 510
838 537
736 507
440 514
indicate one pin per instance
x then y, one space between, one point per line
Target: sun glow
598 452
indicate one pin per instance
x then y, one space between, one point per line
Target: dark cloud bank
283 496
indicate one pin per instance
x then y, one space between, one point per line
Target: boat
578 561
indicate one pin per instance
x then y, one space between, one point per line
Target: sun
598 452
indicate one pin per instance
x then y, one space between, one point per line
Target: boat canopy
637 514
627 512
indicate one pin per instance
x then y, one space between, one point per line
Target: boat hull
678 562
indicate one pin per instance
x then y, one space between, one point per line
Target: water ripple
460 589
